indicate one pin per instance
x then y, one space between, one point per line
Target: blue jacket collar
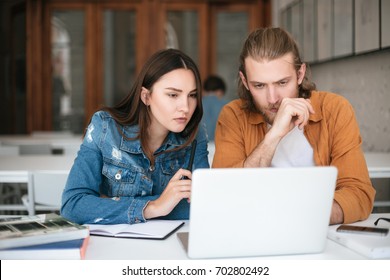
132 144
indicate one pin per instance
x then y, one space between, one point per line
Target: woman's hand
175 191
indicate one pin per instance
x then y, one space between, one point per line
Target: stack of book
46 236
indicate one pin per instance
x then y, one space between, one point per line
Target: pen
189 167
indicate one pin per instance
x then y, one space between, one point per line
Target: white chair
10 193
45 191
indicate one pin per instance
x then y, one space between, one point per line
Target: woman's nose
183 104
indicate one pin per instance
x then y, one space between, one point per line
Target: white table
15 169
378 165
54 141
171 249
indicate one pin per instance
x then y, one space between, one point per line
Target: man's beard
270 117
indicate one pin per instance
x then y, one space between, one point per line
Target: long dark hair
271 43
132 111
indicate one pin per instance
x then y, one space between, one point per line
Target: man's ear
301 73
145 96
243 80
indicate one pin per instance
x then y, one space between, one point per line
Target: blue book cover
71 249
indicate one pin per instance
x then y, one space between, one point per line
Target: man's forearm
264 152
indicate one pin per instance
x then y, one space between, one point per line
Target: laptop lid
242 212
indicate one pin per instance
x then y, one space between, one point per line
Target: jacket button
118 176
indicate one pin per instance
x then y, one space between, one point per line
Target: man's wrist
337 215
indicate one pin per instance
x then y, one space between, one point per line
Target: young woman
132 161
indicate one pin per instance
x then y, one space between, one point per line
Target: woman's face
172 101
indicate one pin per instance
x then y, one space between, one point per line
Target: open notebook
152 229
244 212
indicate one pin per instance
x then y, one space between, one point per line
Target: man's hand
292 112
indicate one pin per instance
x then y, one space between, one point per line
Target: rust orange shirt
332 132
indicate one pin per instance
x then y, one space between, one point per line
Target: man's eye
283 83
259 86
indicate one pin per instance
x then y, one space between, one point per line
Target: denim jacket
109 165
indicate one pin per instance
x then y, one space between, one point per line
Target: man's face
269 81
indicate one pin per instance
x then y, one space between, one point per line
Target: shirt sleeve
82 201
354 191
229 140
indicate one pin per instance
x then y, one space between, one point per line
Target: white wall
364 81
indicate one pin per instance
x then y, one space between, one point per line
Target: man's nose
272 95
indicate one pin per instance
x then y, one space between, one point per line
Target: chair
10 193
45 191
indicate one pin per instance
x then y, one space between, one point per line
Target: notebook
244 212
152 229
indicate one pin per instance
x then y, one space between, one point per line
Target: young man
280 120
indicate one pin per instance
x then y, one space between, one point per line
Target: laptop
245 212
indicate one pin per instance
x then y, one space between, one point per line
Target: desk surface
378 164
16 168
48 139
171 249
55 142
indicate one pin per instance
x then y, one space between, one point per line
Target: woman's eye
193 95
173 95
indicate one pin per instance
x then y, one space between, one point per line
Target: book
370 246
63 250
152 229
39 229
